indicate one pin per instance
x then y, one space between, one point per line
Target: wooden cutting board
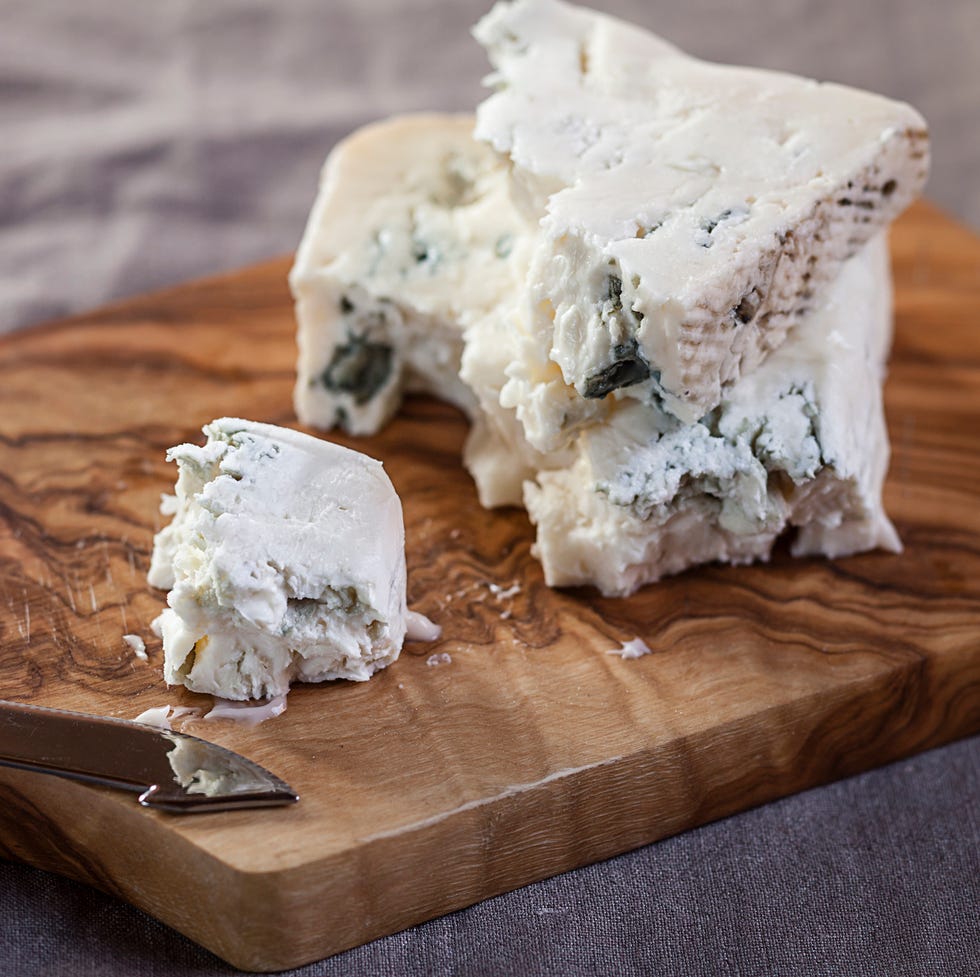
434 786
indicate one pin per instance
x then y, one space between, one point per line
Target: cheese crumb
419 628
137 645
441 658
636 648
164 716
158 716
247 713
502 594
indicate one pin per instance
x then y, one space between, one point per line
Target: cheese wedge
800 445
411 237
285 562
691 214
414 241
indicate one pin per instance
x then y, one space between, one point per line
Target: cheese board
523 748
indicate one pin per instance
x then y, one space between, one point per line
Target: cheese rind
285 561
691 213
799 443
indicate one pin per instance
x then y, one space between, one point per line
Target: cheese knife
170 771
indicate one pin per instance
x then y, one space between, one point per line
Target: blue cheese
658 288
414 251
691 213
285 562
412 237
801 442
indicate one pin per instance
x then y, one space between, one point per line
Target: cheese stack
659 288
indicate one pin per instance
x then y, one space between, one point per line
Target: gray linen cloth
145 143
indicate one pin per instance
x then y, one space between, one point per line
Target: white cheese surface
691 213
801 442
412 237
376 319
136 645
285 562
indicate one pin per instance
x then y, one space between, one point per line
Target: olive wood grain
434 786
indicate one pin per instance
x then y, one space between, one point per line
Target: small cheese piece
632 649
801 443
136 645
158 716
412 236
285 562
691 213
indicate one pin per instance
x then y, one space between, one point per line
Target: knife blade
171 771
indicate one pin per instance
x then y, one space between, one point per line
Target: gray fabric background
144 143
